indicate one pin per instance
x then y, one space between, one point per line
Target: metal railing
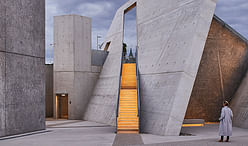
119 89
138 84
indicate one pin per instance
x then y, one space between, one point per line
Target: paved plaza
84 133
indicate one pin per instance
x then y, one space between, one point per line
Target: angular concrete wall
22 78
73 73
239 105
171 38
102 105
223 65
49 90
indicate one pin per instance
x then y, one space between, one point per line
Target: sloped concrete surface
102 104
171 39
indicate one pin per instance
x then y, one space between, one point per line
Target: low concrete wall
223 65
49 90
22 69
98 57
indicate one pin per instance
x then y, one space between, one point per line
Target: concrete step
128 132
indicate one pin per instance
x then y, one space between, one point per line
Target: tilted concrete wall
22 74
49 90
239 105
73 73
223 65
171 38
102 104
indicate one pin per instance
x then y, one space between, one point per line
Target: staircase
128 118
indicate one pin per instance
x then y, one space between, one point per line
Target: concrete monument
173 34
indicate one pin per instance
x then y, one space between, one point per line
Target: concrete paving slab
85 133
127 139
237 141
198 133
74 136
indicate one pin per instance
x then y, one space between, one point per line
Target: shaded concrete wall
239 105
73 73
22 74
98 57
223 65
171 38
49 90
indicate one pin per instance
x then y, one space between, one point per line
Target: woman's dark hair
226 103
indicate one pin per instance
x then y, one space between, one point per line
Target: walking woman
225 128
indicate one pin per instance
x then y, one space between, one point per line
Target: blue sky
233 12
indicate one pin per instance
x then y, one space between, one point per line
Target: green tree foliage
131 53
124 49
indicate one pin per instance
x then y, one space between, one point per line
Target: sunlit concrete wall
76 66
171 39
22 74
72 62
223 65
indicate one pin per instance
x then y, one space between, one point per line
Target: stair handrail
137 81
119 88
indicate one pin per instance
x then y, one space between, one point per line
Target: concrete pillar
72 62
22 80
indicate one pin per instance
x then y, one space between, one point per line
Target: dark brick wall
224 63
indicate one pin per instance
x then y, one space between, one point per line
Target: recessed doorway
62 106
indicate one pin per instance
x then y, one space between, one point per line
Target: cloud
234 13
130 30
101 12
98 9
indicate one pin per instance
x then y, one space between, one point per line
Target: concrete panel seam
75 71
5 86
7 52
168 73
